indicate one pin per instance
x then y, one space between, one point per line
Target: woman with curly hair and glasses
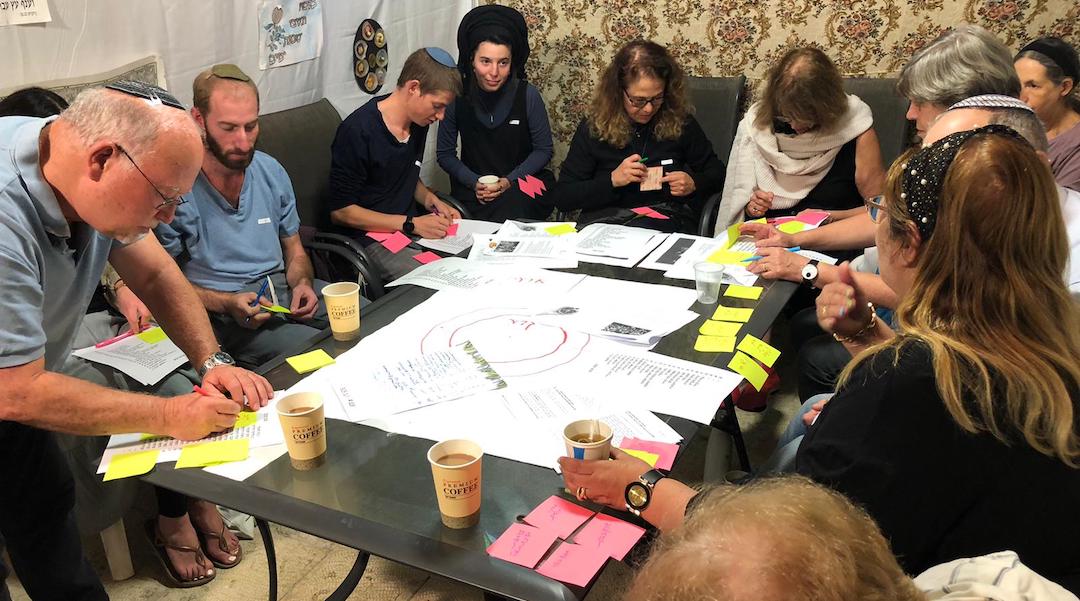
640 126
805 145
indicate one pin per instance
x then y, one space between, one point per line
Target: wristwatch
214 360
408 227
639 492
810 273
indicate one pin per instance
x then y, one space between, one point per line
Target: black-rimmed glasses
639 103
875 205
167 202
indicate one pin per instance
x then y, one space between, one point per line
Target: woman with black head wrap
501 118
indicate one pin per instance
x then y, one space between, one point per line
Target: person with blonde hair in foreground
790 539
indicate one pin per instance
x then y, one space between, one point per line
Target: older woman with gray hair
1049 70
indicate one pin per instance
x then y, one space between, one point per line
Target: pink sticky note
537 183
608 535
812 217
779 220
666 451
658 215
559 516
522 544
573 564
452 230
646 211
427 257
526 186
378 236
396 242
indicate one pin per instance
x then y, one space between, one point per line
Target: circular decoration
371 56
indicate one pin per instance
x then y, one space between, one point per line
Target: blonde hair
803 85
99 114
607 117
989 301
776 539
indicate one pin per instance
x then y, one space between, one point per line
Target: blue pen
793 249
262 291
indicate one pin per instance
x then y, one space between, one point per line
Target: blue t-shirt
370 168
222 248
50 267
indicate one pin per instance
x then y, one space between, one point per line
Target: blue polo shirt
50 267
370 168
222 248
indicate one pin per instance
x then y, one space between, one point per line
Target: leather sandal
161 545
222 545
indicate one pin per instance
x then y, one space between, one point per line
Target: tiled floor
310 569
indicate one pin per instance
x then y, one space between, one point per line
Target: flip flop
222 545
160 546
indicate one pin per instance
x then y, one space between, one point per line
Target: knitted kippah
924 174
992 101
148 92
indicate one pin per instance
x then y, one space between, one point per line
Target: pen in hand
262 291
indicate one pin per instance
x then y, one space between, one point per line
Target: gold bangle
857 335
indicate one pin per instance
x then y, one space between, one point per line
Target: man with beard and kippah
239 228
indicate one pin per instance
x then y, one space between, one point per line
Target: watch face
637 495
809 272
223 358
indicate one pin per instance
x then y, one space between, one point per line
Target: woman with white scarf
804 145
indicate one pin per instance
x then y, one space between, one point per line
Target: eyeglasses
639 103
875 205
168 202
786 125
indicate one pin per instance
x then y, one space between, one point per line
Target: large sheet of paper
463 238
147 357
618 245
456 273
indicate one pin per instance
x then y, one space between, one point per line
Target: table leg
271 556
352 579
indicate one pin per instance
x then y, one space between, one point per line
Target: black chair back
894 131
719 104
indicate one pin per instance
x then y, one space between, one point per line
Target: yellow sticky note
310 361
732 314
719 328
246 418
152 336
747 292
758 220
213 453
749 369
732 235
131 464
791 227
650 458
275 309
559 230
759 349
729 257
714 344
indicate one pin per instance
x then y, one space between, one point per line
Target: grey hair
1055 74
99 114
964 61
1026 123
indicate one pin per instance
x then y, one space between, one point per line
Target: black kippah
1059 51
148 92
924 174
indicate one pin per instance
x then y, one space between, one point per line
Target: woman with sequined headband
1049 71
957 431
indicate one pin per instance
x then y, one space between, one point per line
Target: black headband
924 174
487 20
1059 51
148 92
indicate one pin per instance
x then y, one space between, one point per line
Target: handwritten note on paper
427 256
127 465
665 450
732 235
746 367
452 230
714 344
759 349
610 536
747 292
245 419
573 564
211 453
396 242
559 516
712 327
309 362
522 544
723 313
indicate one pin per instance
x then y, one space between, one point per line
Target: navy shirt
370 168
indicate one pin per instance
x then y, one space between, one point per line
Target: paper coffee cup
343 308
587 439
455 468
488 180
304 427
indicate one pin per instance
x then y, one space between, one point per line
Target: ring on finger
582 493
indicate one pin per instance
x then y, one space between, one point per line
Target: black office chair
719 106
300 139
895 132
